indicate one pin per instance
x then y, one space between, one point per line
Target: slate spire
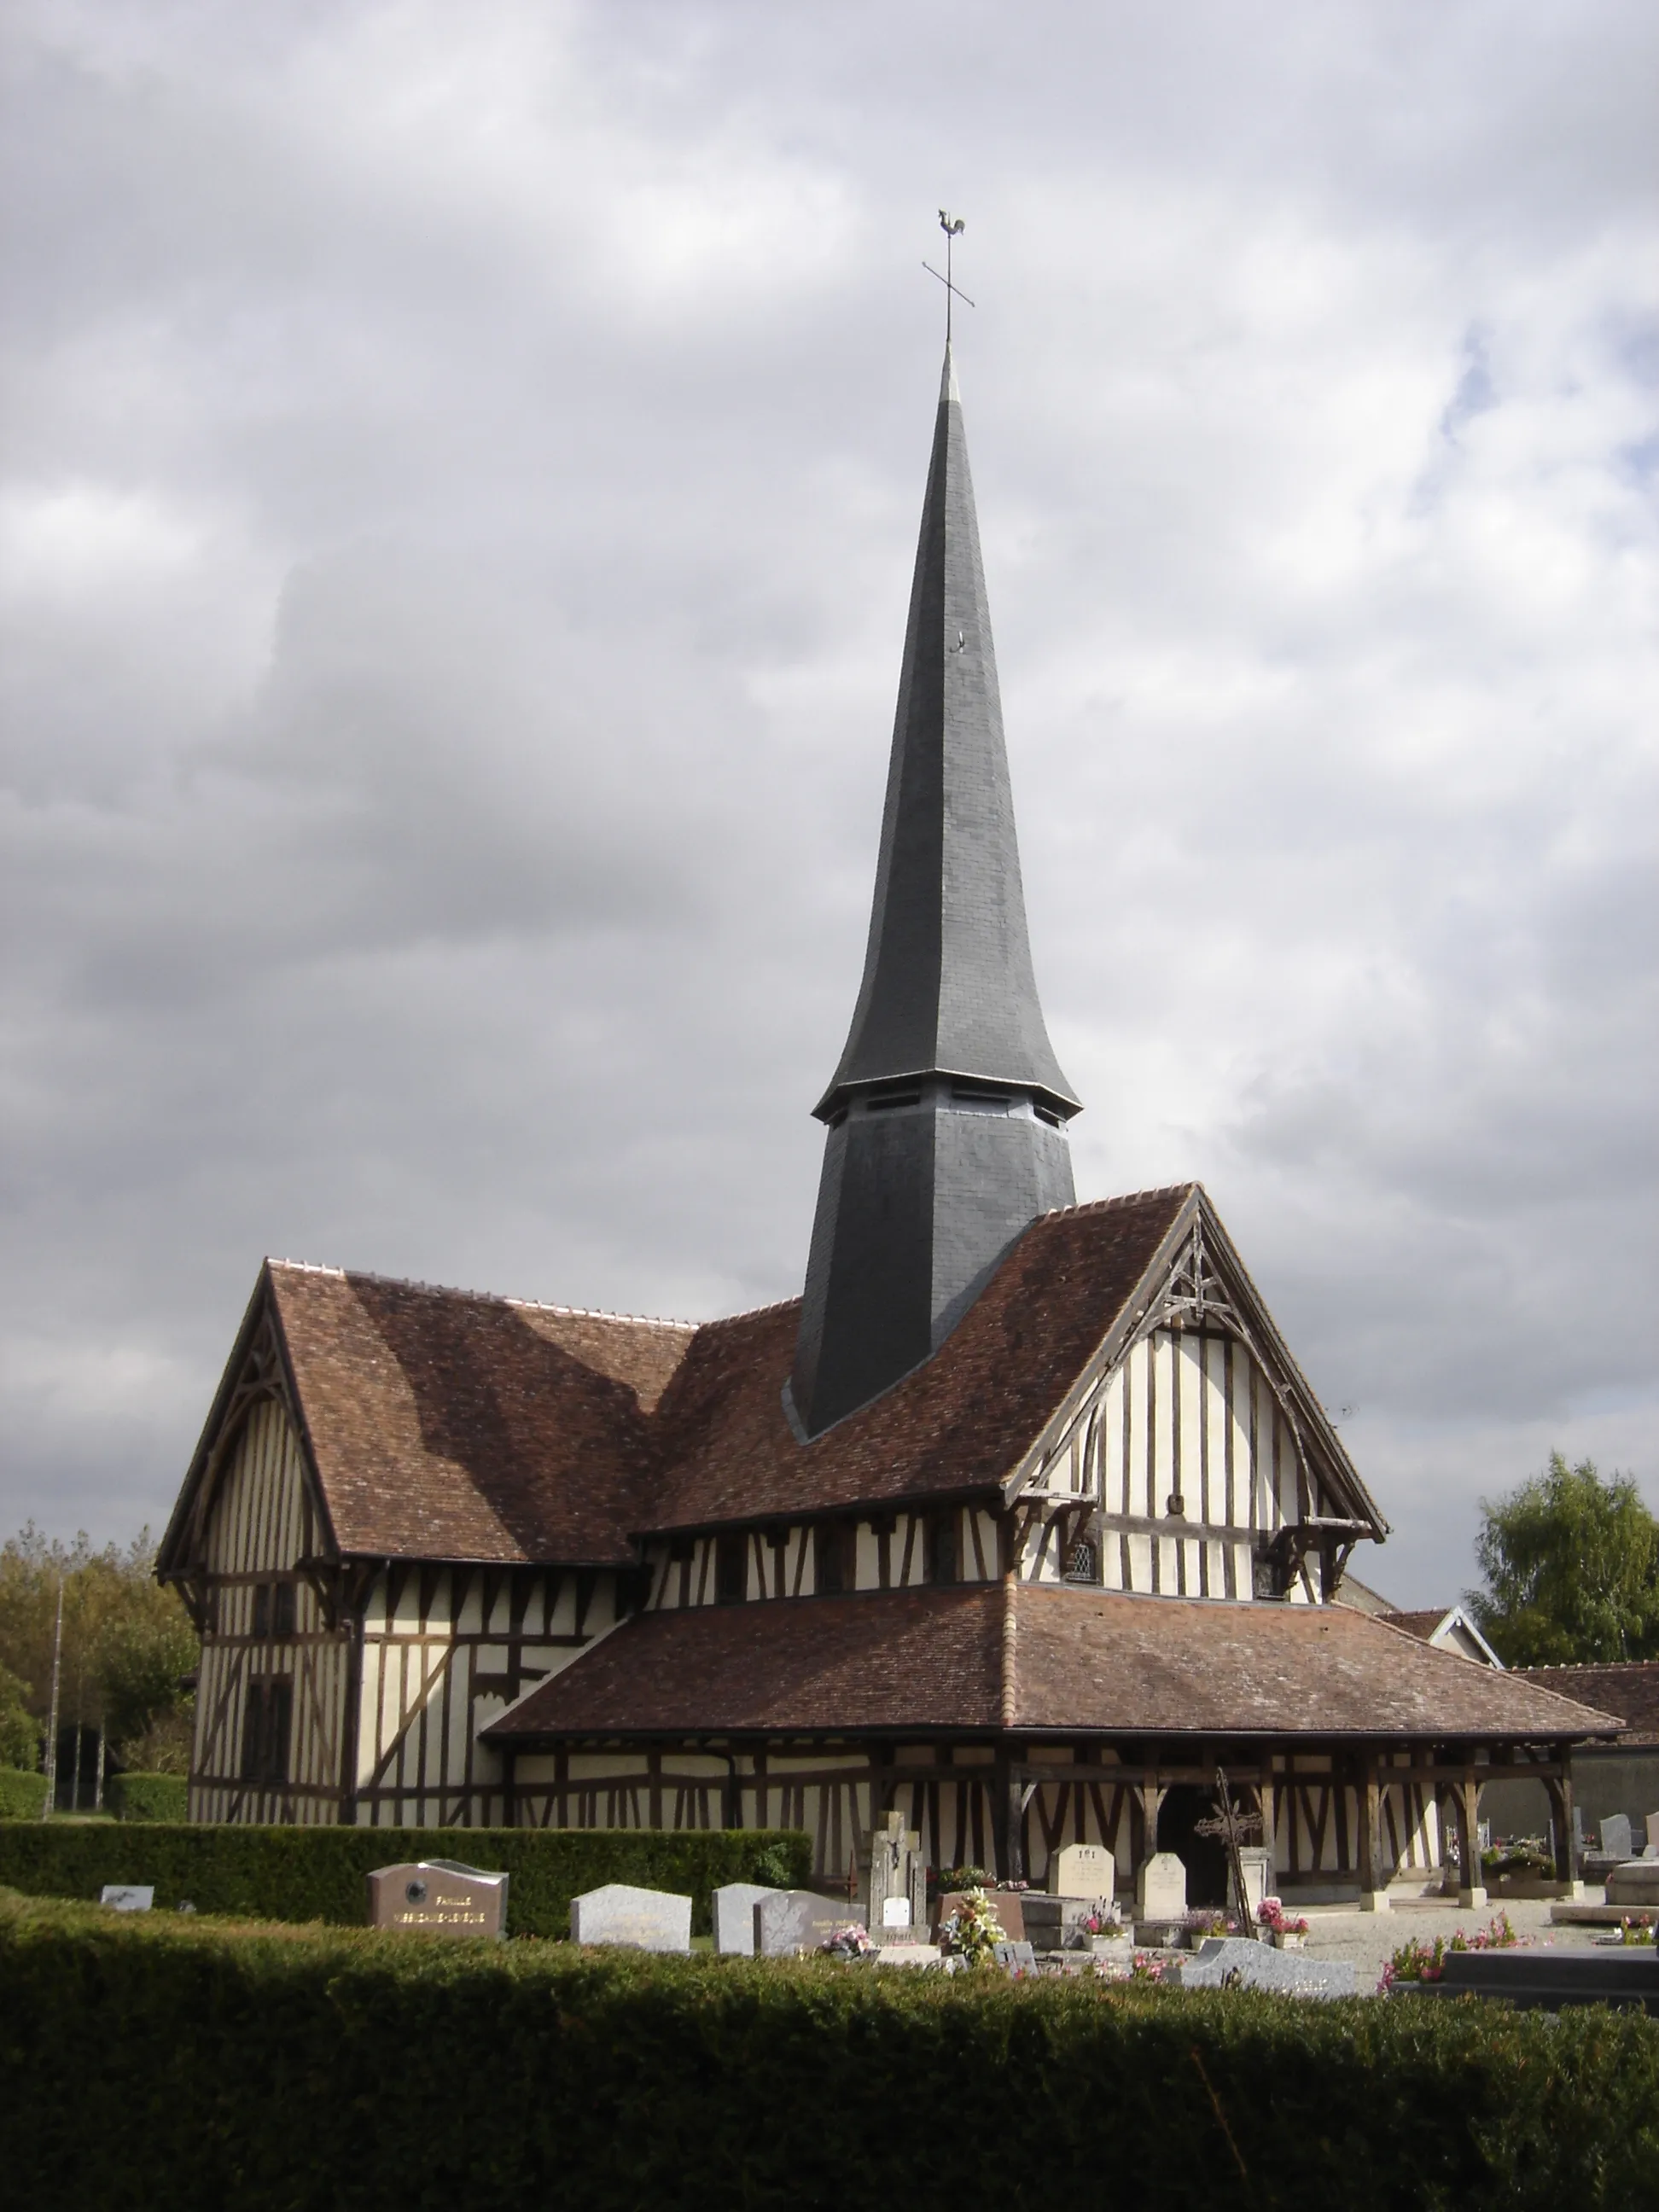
946 1113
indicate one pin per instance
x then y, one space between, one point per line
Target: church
1021 1520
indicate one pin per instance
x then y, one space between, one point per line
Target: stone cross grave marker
1161 1887
1082 1870
127 1897
897 1890
438 1897
645 1919
789 1921
734 1918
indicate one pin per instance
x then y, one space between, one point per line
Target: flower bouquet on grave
1633 1931
1147 1967
1288 1930
1498 1935
1412 1963
1197 1927
846 1943
973 1931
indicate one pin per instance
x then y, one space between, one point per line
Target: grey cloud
459 496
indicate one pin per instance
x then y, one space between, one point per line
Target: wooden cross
1235 1828
952 226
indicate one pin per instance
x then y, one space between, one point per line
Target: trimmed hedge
317 1874
22 1795
149 2061
149 1797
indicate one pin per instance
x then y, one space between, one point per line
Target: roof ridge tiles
488 1297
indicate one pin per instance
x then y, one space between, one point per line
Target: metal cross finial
952 226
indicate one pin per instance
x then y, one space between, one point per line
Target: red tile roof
1068 1661
445 1426
1629 1688
961 1422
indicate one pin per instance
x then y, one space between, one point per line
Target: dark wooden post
1466 1798
1559 1788
1373 1881
1016 1818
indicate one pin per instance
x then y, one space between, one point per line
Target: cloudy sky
461 480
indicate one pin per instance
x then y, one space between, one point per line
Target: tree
128 1642
1571 1568
20 1732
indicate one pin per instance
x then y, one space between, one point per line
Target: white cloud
457 525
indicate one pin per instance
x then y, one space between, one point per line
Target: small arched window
1080 1565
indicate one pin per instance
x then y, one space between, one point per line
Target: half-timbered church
1021 1520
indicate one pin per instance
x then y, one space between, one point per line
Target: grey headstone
1257 1863
126 1897
790 1920
1653 1831
1082 1870
1235 1962
438 1897
734 1918
1635 1882
1015 1955
1615 1835
646 1919
1161 1888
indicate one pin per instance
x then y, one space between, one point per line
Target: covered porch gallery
1007 1720
1342 1821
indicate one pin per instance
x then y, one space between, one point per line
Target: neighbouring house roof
1021 1657
1629 1688
1443 1626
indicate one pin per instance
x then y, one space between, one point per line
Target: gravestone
1082 1870
789 1921
1258 1865
438 1897
1161 1888
1546 1980
1653 1831
1635 1882
910 1954
126 1897
1007 1905
896 1892
1615 1835
1236 1962
734 1918
644 1919
1017 1956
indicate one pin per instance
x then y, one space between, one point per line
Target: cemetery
770 2079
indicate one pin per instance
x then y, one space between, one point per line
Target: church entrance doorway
1205 1858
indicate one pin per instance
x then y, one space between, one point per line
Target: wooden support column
1559 1789
1466 1801
1015 1818
1374 1874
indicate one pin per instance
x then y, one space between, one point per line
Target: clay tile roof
1415 1623
1629 1688
447 1425
1034 1659
961 1422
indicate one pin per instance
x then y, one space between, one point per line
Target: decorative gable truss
1191 1458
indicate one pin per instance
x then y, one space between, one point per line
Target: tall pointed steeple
947 1114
